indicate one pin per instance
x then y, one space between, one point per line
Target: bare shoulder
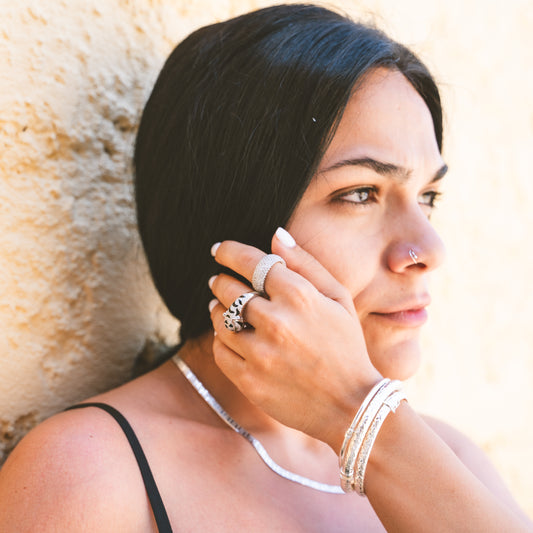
76 471
454 438
469 453
71 473
474 459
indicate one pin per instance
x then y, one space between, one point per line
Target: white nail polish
211 281
212 304
214 248
285 238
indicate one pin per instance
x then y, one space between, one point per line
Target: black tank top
160 514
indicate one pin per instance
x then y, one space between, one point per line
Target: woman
290 117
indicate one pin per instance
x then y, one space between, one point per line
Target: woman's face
369 205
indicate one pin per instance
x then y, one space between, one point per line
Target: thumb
302 262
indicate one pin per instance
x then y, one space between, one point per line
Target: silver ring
413 256
234 316
262 269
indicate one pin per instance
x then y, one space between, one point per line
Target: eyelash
434 197
372 192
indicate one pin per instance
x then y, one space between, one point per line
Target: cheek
353 260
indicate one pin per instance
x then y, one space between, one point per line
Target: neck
291 448
198 354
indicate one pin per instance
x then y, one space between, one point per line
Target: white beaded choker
259 448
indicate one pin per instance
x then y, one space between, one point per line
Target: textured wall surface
76 305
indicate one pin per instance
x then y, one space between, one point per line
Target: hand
304 362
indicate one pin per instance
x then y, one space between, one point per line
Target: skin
365 244
338 319
368 205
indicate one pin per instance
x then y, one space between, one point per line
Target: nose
415 244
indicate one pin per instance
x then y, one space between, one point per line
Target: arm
476 461
416 483
307 351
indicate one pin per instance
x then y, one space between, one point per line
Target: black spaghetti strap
158 508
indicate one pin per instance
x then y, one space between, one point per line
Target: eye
361 195
429 198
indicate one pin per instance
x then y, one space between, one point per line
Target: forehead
388 120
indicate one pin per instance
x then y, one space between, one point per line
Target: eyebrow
385 169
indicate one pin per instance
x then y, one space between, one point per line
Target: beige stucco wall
76 305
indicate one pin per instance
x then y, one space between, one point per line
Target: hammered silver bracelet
384 397
389 405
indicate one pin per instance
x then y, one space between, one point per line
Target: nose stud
413 256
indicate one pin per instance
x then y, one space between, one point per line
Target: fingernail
214 248
212 304
211 281
285 238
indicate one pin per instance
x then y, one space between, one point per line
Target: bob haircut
236 125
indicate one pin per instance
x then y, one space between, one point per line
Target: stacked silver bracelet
384 397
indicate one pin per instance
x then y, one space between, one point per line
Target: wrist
349 405
383 398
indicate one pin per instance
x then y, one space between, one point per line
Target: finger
239 342
230 362
235 368
227 290
302 262
241 258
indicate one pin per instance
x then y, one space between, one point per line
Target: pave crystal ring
262 269
234 316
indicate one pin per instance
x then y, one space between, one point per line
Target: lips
408 315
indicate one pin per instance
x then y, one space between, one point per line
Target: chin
398 361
